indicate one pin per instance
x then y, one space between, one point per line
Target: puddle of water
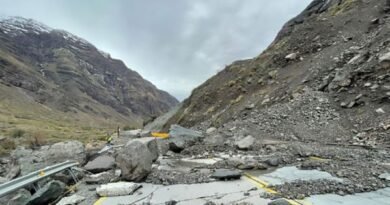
380 197
290 174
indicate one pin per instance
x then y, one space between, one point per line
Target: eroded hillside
53 80
337 51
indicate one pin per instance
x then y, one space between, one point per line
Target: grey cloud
175 44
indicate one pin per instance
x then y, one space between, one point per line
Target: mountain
53 80
326 75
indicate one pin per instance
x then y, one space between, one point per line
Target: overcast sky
175 44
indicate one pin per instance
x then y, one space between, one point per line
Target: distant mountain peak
16 25
66 73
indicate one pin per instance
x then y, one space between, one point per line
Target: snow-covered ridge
17 25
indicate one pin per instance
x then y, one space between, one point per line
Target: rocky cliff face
335 53
53 71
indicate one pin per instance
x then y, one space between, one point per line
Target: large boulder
32 160
117 189
135 161
48 193
100 164
179 131
246 143
181 138
151 144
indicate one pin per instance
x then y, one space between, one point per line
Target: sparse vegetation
344 6
6 145
37 139
17 133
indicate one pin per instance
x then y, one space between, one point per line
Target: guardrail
28 179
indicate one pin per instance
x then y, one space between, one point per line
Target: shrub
17 133
37 139
6 145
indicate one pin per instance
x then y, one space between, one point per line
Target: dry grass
344 6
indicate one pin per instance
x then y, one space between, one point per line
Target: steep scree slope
336 52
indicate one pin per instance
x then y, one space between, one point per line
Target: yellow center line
100 201
264 186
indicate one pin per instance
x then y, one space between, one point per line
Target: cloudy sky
175 44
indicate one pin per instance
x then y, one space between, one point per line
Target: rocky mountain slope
325 77
50 78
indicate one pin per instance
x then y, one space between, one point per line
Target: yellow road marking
264 186
259 183
100 201
160 135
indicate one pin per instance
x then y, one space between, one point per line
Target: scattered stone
385 176
130 133
215 140
375 21
343 104
279 202
245 143
384 60
292 56
135 161
100 164
342 79
117 189
380 111
211 130
273 162
48 193
250 106
21 198
226 174
71 200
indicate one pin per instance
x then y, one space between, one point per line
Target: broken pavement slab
187 194
117 189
